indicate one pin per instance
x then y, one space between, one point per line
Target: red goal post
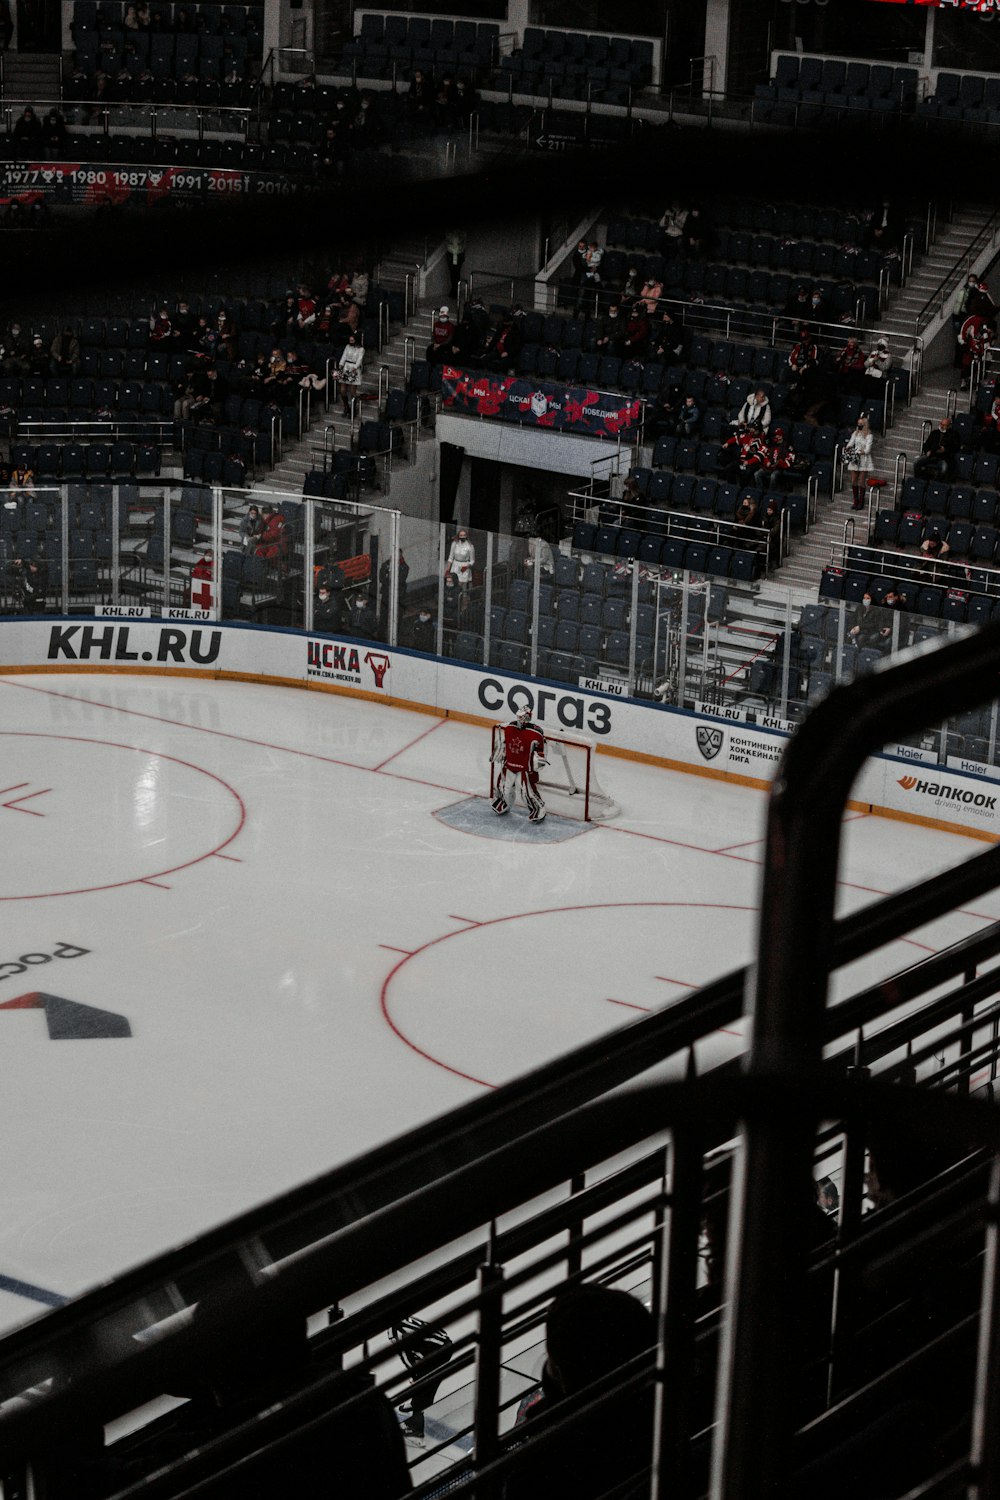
569 783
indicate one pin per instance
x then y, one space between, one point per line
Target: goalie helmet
522 718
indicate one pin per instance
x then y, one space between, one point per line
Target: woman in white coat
858 453
349 370
461 559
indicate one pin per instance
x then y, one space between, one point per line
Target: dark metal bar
985 1447
786 999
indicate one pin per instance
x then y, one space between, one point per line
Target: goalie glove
541 761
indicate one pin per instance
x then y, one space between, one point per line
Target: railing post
489 1345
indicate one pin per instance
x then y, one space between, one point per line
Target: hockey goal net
569 782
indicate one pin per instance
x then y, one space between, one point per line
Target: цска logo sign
709 738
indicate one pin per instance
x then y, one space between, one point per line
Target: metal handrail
786 999
946 288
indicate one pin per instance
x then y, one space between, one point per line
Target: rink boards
906 782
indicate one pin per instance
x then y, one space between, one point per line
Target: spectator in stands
878 363
871 628
631 286
27 132
828 1196
359 286
466 99
935 549
590 283
349 371
819 308
130 18
425 1351
22 480
442 333
160 326
420 98
652 291
366 134
589 1333
612 332
884 227
64 353
742 454
328 610
274 540
446 116
716 392
31 583
503 345
670 341
697 234
796 306
974 339
423 631
858 453
666 411
251 528
746 511
38 358
771 522
461 560
777 463
937 458
578 261
15 351
973 298
54 135
361 619
384 590
182 323
803 361
672 224
849 366
688 418
988 436
756 408
636 340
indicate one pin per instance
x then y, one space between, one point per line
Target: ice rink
266 930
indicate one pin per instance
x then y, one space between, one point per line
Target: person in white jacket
349 370
461 559
756 408
858 453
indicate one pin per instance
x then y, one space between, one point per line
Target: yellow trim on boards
734 778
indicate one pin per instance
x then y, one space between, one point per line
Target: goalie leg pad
499 806
536 807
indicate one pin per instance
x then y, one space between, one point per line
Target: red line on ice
404 748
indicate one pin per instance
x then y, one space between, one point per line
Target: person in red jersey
520 752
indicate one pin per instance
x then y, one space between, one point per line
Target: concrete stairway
900 321
31 78
302 455
810 554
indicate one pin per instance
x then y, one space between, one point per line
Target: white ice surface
311 962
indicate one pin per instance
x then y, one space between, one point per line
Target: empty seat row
969 97
421 41
76 460
959 502
831 78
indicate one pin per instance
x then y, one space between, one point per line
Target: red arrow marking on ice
12 804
